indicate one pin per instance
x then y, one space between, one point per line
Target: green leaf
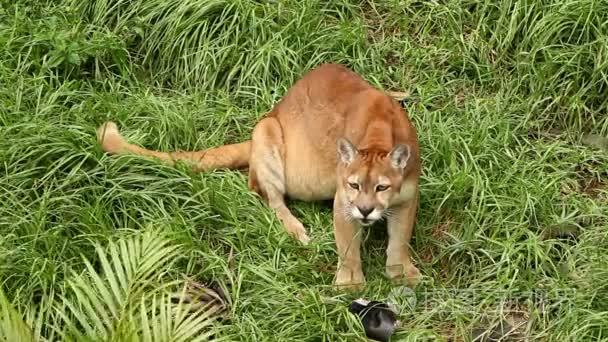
74 58
12 325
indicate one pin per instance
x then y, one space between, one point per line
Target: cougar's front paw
404 272
303 237
296 229
349 279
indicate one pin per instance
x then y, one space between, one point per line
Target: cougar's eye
354 186
381 187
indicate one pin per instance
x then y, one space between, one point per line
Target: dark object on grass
596 141
210 296
501 331
379 320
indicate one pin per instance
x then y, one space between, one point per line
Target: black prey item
378 319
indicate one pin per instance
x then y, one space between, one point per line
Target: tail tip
108 125
109 136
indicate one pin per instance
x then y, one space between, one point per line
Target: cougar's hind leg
267 174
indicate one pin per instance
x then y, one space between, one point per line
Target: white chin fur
371 218
375 215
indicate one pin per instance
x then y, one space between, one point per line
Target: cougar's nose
365 211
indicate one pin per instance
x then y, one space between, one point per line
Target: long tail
234 156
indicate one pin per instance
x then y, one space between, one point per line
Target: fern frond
129 299
12 325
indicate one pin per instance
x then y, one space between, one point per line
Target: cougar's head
370 180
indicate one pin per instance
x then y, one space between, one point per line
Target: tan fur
331 130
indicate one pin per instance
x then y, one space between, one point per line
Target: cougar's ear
399 156
346 150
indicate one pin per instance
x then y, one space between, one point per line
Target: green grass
504 96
